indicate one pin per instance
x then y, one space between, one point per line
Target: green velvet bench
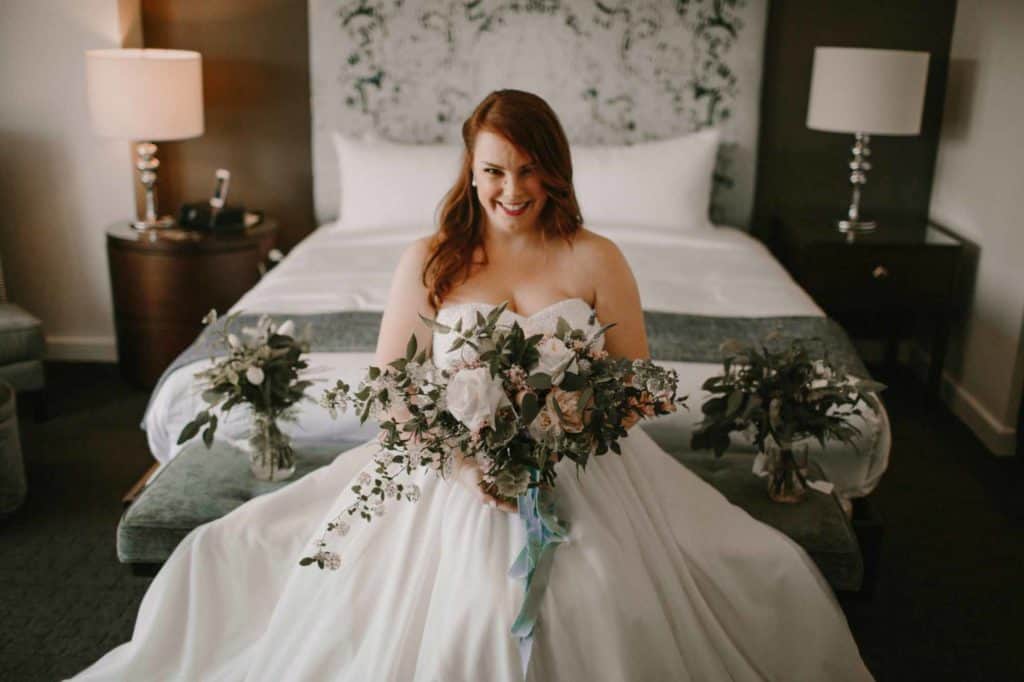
201 485
197 486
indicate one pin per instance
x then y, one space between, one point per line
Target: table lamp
146 95
866 92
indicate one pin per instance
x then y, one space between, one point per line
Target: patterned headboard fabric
615 71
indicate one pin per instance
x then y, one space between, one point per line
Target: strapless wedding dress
661 579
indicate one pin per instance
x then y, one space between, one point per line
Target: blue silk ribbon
544 531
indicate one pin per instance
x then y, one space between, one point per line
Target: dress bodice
575 311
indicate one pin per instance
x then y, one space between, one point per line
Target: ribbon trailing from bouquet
544 531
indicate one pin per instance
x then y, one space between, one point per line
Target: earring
472 183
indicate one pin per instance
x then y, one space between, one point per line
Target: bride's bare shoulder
595 252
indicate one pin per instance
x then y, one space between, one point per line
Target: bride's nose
509 187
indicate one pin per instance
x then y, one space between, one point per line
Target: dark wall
256 91
801 169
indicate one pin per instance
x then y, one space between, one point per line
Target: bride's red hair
528 122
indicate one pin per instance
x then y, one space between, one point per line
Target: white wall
60 185
979 193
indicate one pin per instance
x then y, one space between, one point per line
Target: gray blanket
671 336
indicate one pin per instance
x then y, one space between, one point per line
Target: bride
661 578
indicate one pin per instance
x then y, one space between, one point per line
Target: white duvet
719 271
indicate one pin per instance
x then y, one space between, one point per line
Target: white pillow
663 185
385 184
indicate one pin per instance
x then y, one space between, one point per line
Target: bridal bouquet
516 403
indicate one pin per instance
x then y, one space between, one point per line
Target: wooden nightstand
878 284
165 281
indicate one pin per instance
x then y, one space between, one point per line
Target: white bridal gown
661 579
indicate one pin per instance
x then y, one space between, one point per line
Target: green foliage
786 394
262 369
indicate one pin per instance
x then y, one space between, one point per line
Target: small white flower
364 478
341 528
378 510
390 490
254 375
412 492
332 560
233 341
287 328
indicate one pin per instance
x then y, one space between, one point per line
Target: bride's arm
407 300
617 299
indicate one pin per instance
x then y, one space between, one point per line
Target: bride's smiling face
507 183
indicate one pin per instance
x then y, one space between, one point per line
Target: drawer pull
880 272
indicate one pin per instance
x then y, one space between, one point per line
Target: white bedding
718 271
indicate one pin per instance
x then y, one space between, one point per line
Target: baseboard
81 348
999 438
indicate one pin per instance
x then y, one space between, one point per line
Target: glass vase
786 478
271 457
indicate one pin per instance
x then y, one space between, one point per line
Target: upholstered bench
201 485
197 486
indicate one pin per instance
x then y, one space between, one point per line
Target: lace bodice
576 312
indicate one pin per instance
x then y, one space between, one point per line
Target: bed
713 272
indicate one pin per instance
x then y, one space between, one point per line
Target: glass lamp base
161 223
856 225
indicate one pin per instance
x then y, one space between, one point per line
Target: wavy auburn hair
527 122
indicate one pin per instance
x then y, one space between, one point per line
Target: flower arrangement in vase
261 371
782 397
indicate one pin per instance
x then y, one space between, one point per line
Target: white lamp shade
858 90
149 95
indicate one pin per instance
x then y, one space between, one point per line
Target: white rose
233 341
555 359
474 397
254 375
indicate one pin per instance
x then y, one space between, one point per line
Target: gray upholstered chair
21 346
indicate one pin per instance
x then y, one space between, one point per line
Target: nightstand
881 284
165 281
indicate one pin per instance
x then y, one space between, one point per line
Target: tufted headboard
616 72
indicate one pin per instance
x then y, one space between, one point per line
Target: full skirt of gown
661 579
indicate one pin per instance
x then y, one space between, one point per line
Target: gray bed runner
670 336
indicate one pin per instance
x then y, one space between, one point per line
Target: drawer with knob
854 277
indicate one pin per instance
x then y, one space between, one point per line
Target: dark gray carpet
947 607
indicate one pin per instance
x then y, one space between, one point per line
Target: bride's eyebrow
523 167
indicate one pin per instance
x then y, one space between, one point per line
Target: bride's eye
492 171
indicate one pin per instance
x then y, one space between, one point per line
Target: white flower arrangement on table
262 369
516 403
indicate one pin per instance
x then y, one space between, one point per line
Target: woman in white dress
661 577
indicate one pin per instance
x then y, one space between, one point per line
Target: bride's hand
469 476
